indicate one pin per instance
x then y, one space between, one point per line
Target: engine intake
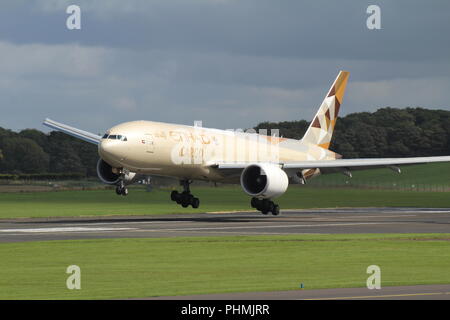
106 174
264 181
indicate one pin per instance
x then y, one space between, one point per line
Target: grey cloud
303 29
229 63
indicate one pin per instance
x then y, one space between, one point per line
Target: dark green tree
23 155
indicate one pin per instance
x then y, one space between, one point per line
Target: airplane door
149 143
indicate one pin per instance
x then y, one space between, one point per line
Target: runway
313 221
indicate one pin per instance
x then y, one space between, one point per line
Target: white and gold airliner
263 164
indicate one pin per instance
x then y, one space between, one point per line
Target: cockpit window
114 137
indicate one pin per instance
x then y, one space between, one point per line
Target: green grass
422 177
123 268
140 202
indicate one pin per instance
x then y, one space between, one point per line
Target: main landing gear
265 206
185 198
121 190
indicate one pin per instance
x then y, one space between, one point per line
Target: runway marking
382 296
343 211
123 223
431 211
184 222
246 216
271 226
355 217
232 232
64 229
84 229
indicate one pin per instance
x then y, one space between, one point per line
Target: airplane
262 164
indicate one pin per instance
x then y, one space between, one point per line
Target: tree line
31 151
388 132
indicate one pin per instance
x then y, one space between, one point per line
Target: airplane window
115 137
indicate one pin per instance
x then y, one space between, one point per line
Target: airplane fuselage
190 152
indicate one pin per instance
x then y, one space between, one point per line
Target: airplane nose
112 150
107 148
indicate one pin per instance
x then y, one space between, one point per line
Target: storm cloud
228 63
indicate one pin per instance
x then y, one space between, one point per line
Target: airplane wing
74 132
328 166
362 164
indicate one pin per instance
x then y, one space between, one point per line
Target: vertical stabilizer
321 128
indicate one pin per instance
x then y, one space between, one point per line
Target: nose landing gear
121 190
265 206
185 198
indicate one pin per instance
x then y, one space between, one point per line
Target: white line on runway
120 223
353 217
238 216
268 226
64 229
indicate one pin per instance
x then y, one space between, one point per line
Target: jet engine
264 181
108 175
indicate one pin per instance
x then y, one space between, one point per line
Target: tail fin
321 128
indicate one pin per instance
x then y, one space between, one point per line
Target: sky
229 63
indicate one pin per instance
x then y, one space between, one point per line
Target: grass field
123 268
139 202
428 177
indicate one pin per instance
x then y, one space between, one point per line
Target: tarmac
317 221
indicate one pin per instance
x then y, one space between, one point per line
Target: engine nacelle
107 175
264 181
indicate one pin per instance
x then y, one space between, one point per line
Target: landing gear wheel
265 206
255 202
270 206
121 190
174 195
195 203
184 204
185 198
276 210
